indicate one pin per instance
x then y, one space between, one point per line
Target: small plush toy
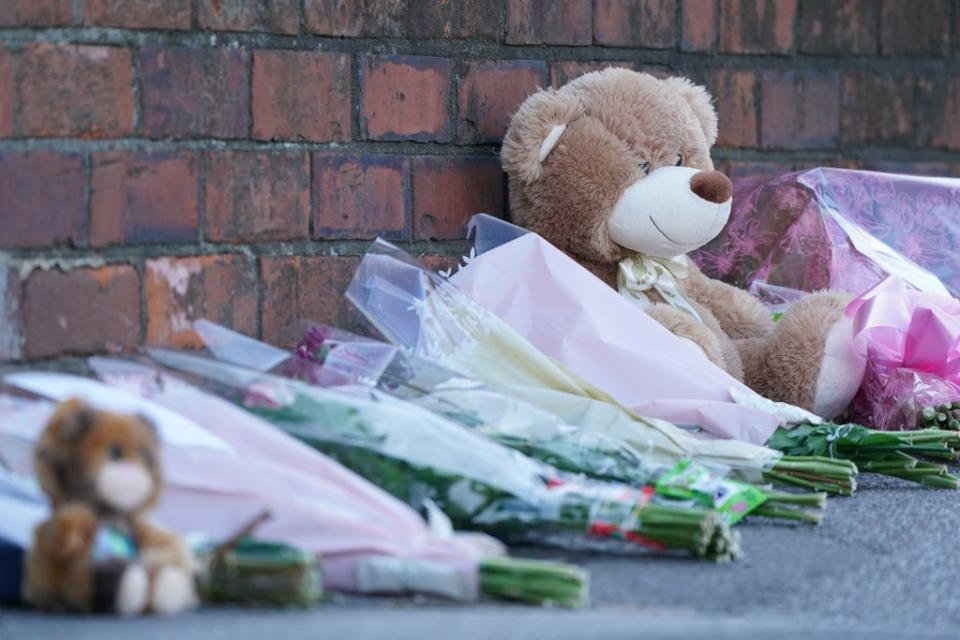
614 168
97 552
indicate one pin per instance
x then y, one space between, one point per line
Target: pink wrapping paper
800 231
583 324
315 503
912 341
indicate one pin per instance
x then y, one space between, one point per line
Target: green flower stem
534 581
769 510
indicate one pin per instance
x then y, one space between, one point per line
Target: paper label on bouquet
888 259
174 429
732 500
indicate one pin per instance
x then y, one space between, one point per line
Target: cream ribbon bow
637 274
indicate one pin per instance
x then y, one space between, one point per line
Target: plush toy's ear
535 129
702 103
72 420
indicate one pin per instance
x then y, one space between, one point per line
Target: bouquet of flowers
327 355
430 317
424 459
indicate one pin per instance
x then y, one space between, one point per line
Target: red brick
698 25
445 19
876 109
221 288
649 24
359 196
563 72
300 288
938 112
143 197
254 196
447 190
365 18
405 98
7 84
757 26
552 22
35 13
137 14
743 171
81 311
799 109
272 16
75 90
42 199
733 91
301 95
194 92
839 27
491 91
915 29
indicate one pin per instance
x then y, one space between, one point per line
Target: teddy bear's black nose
712 186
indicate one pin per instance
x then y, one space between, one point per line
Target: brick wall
162 160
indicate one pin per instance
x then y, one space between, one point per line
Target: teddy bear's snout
712 186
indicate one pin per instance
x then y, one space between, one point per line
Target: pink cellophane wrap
912 340
314 502
805 231
576 319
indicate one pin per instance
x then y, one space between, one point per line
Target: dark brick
11 325
7 85
913 168
75 90
221 288
272 16
938 112
366 18
143 197
300 288
194 92
915 29
563 72
405 98
757 26
839 27
301 95
81 311
137 14
359 196
799 109
649 24
876 109
445 19
42 199
254 196
35 13
491 91
698 25
447 190
549 22
733 91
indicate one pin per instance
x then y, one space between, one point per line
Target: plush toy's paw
133 591
74 527
683 325
173 591
810 360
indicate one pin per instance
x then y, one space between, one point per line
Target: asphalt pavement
881 565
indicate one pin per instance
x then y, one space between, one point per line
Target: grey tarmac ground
882 565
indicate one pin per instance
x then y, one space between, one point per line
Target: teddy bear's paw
689 328
133 591
841 371
173 591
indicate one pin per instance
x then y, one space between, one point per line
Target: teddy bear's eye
116 452
645 167
680 160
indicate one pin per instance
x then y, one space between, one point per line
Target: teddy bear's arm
58 573
740 315
684 325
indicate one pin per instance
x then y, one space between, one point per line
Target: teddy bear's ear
702 103
535 129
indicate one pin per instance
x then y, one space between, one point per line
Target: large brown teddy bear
97 552
614 168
